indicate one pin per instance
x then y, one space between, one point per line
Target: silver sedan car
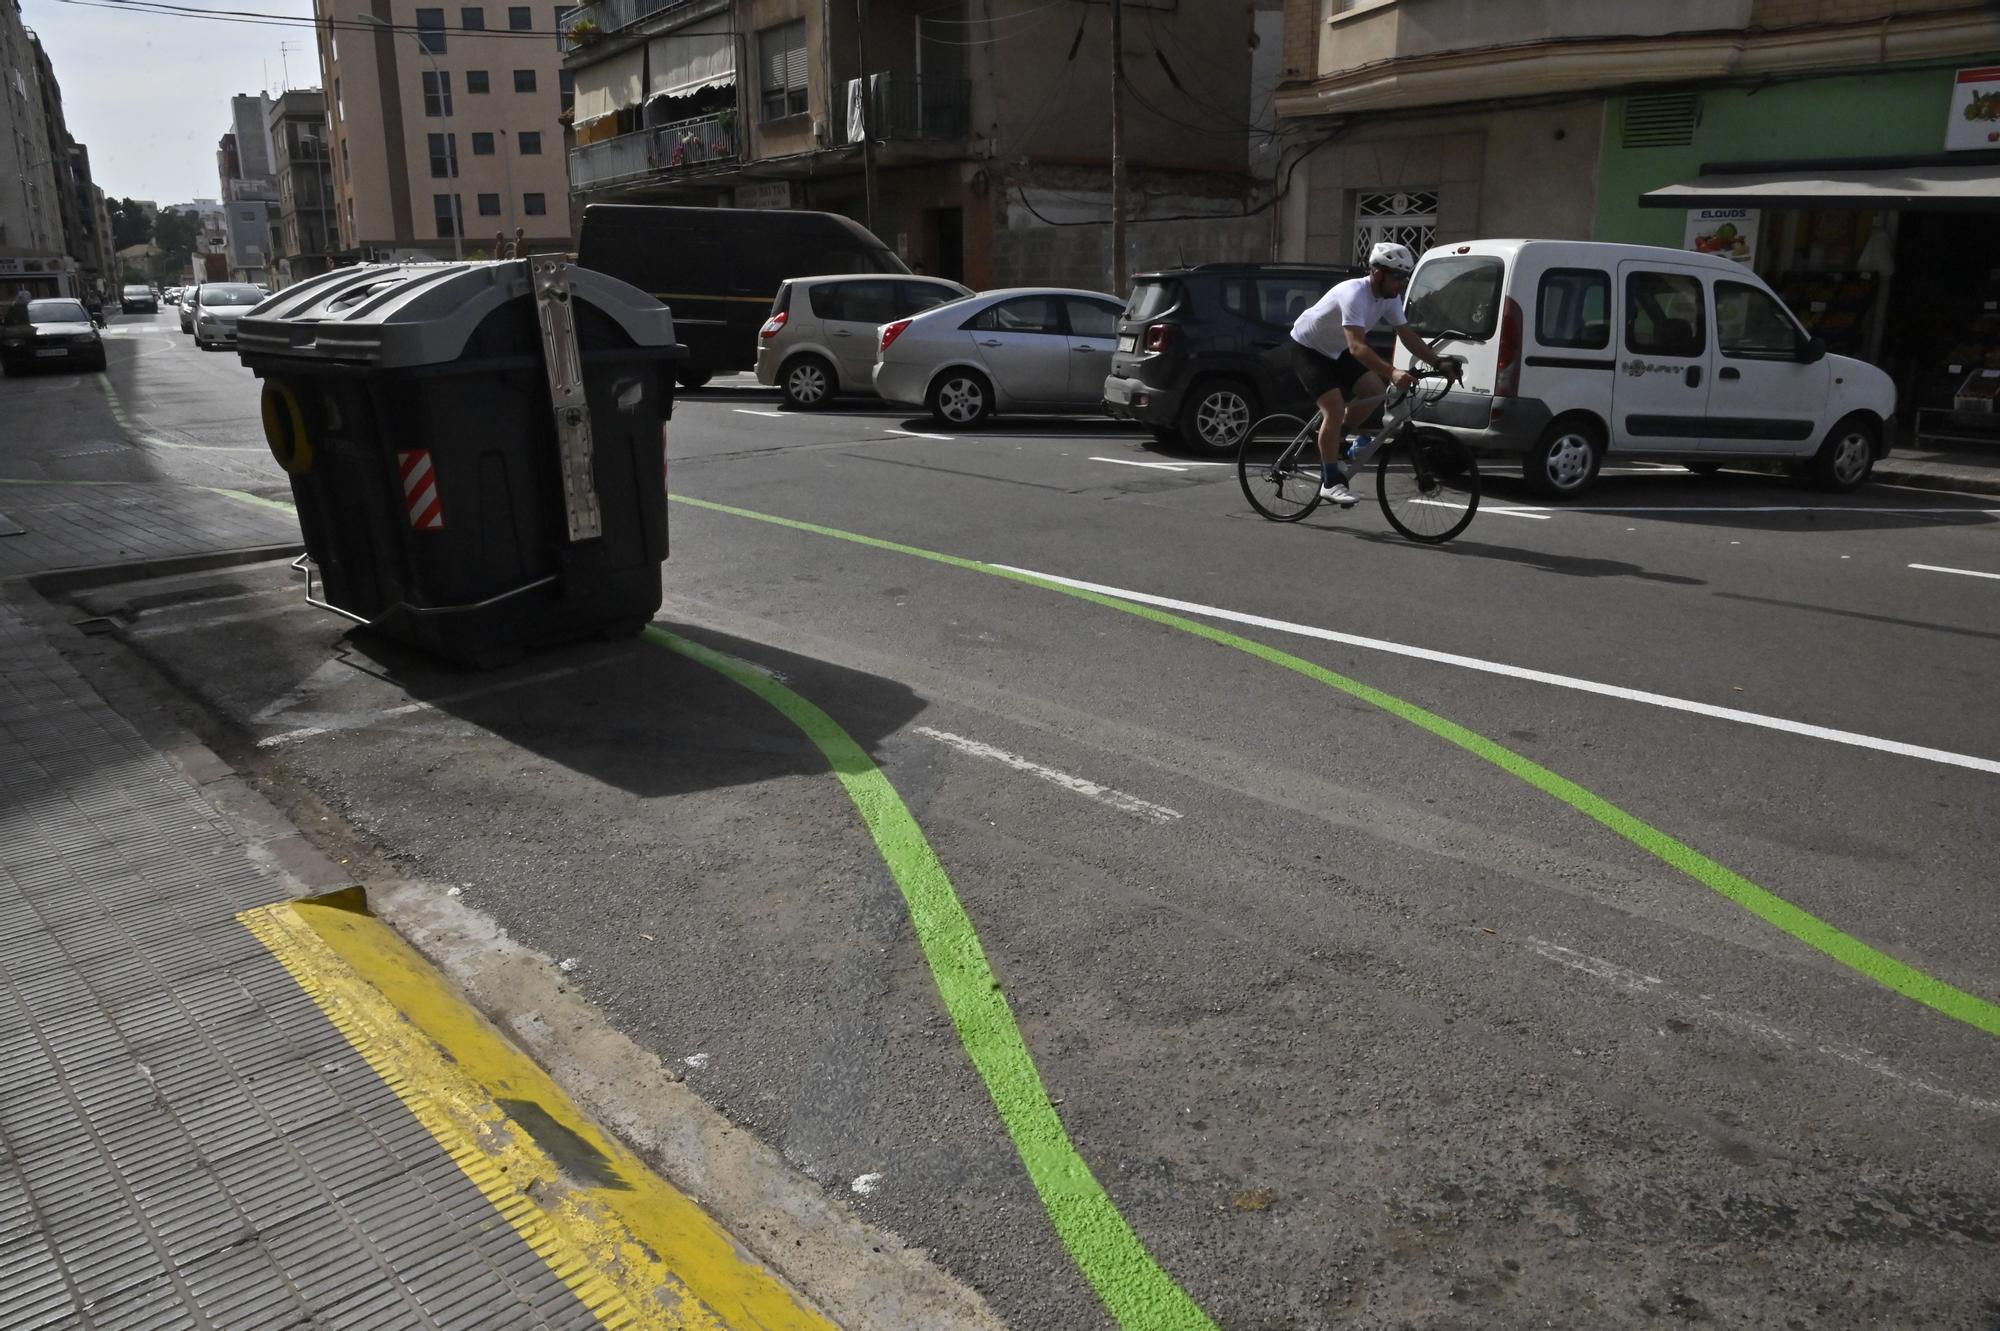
1032 349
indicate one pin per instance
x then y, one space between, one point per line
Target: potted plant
583 30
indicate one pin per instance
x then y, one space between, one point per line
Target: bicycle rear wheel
1278 468
1428 486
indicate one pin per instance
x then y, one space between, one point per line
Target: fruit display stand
1833 306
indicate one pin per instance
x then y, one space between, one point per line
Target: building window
519 19
437 93
524 80
343 155
472 20
482 145
566 84
446 209
444 155
1404 217
534 205
489 205
430 30
781 66
531 143
475 81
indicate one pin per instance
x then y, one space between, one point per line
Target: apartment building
1851 148
306 235
445 126
34 253
987 123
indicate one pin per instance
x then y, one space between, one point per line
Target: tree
177 235
130 224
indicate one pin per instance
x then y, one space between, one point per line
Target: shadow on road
1572 566
1746 500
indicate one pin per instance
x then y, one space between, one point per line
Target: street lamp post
450 149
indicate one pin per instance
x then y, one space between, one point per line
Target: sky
149 93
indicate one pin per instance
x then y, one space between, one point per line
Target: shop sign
1730 232
1974 119
770 194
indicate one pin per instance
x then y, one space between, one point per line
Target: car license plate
52 351
1128 341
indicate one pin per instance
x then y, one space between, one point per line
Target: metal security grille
1663 121
1407 217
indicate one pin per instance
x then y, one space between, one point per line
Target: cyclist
1338 367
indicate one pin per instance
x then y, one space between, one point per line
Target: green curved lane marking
1135 1289
1979 1013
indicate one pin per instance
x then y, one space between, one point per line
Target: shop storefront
1870 202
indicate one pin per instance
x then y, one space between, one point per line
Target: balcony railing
660 151
604 17
907 108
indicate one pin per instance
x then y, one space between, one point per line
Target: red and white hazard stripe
420 491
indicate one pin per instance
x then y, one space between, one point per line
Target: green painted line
1807 928
246 497
1135 1289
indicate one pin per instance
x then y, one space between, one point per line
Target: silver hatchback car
1031 349
821 336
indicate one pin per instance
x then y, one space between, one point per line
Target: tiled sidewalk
75 524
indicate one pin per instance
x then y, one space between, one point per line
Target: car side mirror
1813 351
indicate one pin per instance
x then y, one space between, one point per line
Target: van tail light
1159 337
1507 373
773 324
890 332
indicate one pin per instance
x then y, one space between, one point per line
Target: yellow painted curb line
636 1251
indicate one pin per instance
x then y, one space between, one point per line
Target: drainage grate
1664 121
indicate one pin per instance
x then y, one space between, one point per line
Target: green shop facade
1869 201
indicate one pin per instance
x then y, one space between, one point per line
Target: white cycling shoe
1339 494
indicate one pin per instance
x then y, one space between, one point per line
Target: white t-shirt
1350 304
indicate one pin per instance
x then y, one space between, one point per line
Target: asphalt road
1359 1020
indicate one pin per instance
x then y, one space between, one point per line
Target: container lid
404 314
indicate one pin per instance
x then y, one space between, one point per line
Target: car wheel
1216 415
692 377
1845 460
1703 468
961 397
1564 462
807 383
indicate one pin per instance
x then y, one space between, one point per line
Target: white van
1581 348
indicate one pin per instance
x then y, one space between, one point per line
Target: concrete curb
61 581
1977 481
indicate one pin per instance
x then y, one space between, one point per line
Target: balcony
656 153
605 17
908 109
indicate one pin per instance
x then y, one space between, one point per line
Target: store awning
1941 188
701 55
610 85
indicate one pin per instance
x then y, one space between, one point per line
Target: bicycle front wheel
1428 486
1278 468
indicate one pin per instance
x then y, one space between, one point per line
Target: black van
719 268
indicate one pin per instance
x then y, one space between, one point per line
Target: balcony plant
584 30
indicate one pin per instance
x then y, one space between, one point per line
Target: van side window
1749 322
916 297
1573 309
1663 315
857 302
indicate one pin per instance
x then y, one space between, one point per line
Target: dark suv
1204 351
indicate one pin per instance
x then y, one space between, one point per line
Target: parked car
139 300
719 268
171 295
1018 349
217 307
1205 351
55 331
1638 351
823 332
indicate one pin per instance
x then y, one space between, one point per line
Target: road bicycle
1426 481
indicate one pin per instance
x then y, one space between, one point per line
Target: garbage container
477 450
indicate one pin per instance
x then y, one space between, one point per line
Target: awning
701 55
1939 188
610 85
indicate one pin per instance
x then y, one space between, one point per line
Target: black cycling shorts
1319 373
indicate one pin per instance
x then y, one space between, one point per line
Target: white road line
916 434
1487 508
1967 572
1860 741
1761 508
746 411
1156 466
1117 799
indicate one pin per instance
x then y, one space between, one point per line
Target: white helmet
1396 258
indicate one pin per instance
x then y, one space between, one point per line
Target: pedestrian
17 313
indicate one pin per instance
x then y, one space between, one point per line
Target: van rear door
1459 293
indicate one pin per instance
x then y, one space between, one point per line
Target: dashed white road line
916 434
1488 508
1155 466
747 411
1943 756
1964 572
1103 794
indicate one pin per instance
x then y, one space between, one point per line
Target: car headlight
84 339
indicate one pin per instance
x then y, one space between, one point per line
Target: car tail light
1507 373
773 324
1159 337
890 332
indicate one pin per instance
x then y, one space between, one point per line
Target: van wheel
1845 460
1216 416
807 382
692 377
1565 460
961 397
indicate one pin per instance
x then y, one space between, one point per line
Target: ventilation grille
1666 121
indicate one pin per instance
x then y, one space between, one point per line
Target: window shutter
795 59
